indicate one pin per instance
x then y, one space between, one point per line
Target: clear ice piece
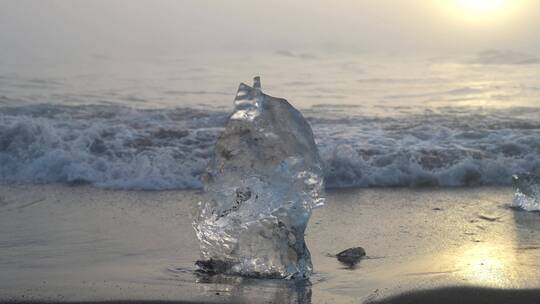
261 185
527 192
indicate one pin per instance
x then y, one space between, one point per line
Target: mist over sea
151 123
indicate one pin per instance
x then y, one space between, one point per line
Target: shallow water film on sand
139 245
262 182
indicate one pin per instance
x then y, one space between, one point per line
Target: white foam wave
109 147
122 148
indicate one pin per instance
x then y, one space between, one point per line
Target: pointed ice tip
257 82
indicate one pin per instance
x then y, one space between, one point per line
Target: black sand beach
450 295
466 295
82 244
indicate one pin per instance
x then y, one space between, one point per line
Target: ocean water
151 123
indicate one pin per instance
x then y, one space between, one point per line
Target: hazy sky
50 28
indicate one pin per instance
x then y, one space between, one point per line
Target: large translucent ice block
261 185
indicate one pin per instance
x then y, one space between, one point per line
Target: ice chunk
261 185
527 192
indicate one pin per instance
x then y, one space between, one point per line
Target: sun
482 6
483 11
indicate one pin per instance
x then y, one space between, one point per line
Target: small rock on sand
351 256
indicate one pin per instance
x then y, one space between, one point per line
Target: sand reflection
488 264
503 260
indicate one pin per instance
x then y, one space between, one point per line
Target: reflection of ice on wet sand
239 289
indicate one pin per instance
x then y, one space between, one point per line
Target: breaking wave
123 148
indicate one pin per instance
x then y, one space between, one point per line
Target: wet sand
476 295
73 244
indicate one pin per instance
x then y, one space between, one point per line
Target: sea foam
123 148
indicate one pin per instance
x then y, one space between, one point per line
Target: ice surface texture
261 185
527 192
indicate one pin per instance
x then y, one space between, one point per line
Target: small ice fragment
261 185
527 192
